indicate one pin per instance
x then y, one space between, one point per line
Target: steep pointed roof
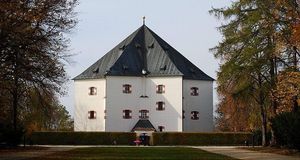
143 53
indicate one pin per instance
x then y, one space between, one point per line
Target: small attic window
137 45
151 45
96 70
123 47
125 67
163 68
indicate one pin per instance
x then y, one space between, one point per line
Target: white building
143 84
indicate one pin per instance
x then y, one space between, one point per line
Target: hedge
286 129
224 138
82 138
126 138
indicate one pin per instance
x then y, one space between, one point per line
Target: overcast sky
184 24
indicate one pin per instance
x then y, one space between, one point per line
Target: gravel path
246 154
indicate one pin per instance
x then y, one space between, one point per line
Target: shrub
82 138
286 129
9 136
177 138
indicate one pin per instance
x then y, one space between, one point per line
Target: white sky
184 24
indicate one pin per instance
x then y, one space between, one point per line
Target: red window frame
160 106
92 114
144 114
92 91
127 88
127 114
194 91
160 89
161 128
194 115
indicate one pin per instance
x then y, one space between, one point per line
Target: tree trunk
273 75
15 103
263 112
263 126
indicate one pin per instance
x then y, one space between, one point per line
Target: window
160 106
194 115
127 88
183 116
161 128
194 91
92 91
160 88
144 114
127 114
92 114
105 114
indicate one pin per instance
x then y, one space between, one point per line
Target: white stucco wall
171 117
117 101
85 103
110 97
203 103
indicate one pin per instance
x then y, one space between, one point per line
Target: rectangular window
92 114
160 89
127 114
92 91
194 91
144 114
104 114
161 128
194 115
160 106
126 88
183 116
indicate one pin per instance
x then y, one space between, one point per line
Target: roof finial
144 20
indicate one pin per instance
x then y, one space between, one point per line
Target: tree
258 34
287 91
234 116
44 113
38 112
33 48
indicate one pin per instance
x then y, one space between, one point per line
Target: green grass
114 153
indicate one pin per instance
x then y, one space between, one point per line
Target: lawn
159 153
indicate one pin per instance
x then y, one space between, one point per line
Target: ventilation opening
163 68
96 70
151 45
125 67
123 47
137 45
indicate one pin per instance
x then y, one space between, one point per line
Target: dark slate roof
143 50
143 125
